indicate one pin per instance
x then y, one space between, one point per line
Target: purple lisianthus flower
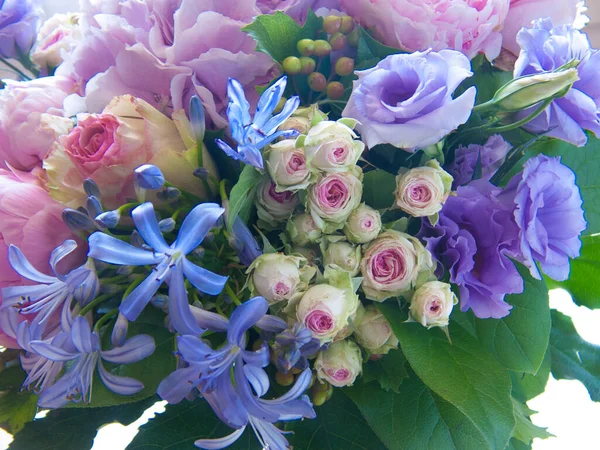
546 48
492 155
406 100
19 20
549 215
474 238
82 346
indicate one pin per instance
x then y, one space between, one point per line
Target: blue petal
245 316
301 385
237 98
268 102
49 351
250 154
23 267
248 249
206 281
209 320
145 221
286 134
270 436
258 378
178 384
118 384
259 358
56 395
196 226
226 404
242 387
133 305
114 251
219 443
149 177
288 109
133 350
81 334
182 318
59 253
271 323
192 349
228 150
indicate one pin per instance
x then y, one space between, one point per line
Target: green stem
229 291
325 102
106 317
484 107
91 305
132 286
525 120
16 69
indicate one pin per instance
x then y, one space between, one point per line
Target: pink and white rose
394 264
340 364
59 33
363 225
333 146
432 304
303 230
287 165
273 206
344 255
374 332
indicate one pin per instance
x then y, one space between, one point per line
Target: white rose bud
277 277
59 32
325 310
272 206
344 255
432 304
300 124
287 165
333 198
375 333
394 264
303 230
340 364
332 147
422 191
363 225
304 118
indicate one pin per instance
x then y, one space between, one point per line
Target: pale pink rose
28 110
523 12
340 364
332 198
287 165
273 206
57 34
469 26
31 220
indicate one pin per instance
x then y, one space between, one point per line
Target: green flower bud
363 225
340 364
303 230
374 332
432 304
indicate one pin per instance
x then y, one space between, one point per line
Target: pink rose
272 206
332 198
287 165
340 364
523 12
58 33
470 27
30 118
31 220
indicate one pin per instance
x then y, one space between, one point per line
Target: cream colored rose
59 32
287 165
344 255
332 147
374 332
432 304
340 364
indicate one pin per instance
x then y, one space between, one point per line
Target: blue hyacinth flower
169 261
244 243
253 134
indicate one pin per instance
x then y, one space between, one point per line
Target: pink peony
469 26
31 220
523 12
296 9
30 118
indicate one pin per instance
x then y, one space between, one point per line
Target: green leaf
525 430
338 425
182 424
378 189
584 269
487 79
526 386
388 371
65 429
572 357
241 197
16 409
370 51
515 444
519 340
461 373
415 418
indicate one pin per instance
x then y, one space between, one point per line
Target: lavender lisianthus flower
406 100
19 20
491 154
549 215
546 48
474 238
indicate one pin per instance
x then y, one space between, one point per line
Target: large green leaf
65 429
415 418
584 270
370 51
520 339
378 189
462 373
338 425
526 386
525 430
388 371
241 197
572 357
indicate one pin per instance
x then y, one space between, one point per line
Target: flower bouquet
309 224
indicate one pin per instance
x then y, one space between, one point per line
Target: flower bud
168 194
363 225
109 219
278 277
119 332
344 255
287 165
300 124
523 92
89 288
292 65
340 364
317 81
332 147
149 177
166 225
325 310
272 206
284 379
91 188
393 265
374 332
422 191
432 304
302 230
197 121
77 220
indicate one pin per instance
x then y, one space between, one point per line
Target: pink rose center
339 154
280 197
319 322
53 39
339 374
297 163
419 193
434 308
282 289
388 266
367 223
333 194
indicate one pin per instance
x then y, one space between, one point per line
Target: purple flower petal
245 316
271 323
209 320
258 378
193 349
196 226
146 224
178 384
59 253
114 251
182 318
49 351
204 280
55 396
133 350
81 334
219 443
133 305
19 262
118 384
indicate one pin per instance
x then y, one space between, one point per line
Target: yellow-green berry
352 39
322 48
335 90
337 41
332 24
308 65
306 47
344 66
292 65
347 24
284 379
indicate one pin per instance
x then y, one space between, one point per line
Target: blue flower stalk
169 261
253 134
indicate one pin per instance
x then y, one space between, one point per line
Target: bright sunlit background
565 408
